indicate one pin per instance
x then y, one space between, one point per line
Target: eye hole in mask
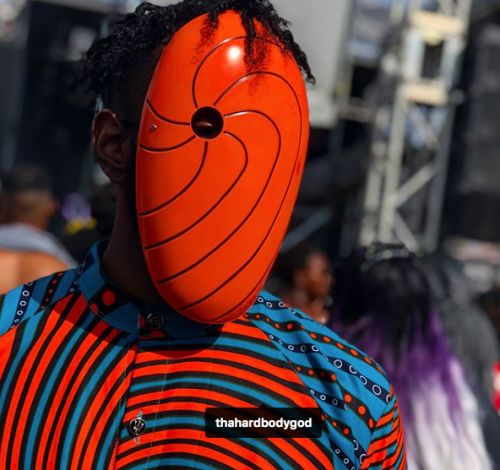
207 123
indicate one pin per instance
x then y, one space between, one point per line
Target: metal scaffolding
404 194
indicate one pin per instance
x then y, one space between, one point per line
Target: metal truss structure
412 130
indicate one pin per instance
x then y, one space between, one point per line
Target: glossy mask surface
220 159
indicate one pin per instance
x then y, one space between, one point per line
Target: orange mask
220 159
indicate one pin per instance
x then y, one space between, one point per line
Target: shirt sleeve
387 447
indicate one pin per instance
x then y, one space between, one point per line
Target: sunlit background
403 116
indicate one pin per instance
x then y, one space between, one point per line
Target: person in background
490 301
27 250
470 331
383 304
306 271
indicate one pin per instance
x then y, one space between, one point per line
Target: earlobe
108 140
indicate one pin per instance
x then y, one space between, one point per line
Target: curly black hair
118 68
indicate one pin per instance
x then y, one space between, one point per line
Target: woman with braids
202 126
383 304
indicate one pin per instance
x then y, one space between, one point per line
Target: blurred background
404 122
404 151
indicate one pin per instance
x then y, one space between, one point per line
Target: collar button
137 427
155 321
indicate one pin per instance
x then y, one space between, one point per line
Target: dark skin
123 262
311 287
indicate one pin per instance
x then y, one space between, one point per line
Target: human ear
110 141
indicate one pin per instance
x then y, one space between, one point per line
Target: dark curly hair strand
118 68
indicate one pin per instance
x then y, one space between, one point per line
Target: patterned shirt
85 368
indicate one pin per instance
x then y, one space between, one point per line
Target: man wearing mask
204 128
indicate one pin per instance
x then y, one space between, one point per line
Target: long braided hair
383 304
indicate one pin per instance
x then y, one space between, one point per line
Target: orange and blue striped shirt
91 378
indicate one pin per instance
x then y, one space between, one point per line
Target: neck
124 263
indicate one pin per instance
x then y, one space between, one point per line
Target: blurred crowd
415 314
28 208
418 316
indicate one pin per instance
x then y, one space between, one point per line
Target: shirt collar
127 313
